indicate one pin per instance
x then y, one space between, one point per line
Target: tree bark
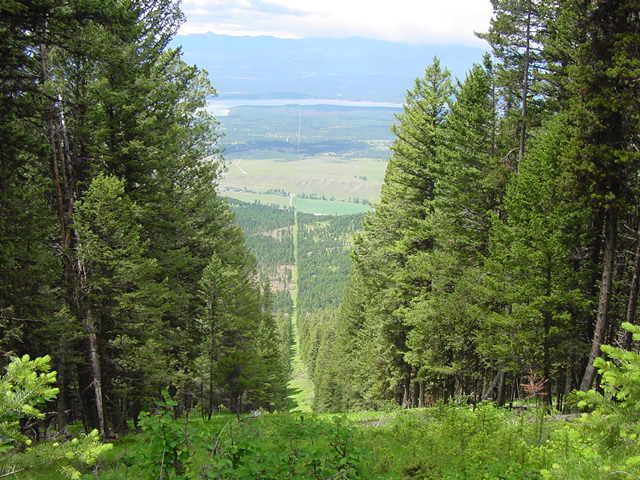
500 392
602 317
547 319
496 384
65 181
94 357
632 304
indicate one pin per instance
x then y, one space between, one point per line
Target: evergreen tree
534 296
392 235
600 40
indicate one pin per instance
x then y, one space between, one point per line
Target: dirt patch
281 279
278 233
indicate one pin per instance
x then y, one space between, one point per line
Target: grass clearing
278 201
327 207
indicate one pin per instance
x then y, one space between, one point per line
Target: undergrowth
445 442
448 442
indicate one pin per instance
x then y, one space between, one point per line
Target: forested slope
503 255
118 258
324 244
269 235
505 242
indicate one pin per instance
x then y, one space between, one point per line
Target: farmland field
327 175
332 158
304 205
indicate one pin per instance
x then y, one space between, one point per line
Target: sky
403 21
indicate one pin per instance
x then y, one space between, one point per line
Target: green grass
327 207
450 442
302 384
263 198
333 176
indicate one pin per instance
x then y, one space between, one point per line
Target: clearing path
300 381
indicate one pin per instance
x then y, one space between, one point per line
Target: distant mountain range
333 68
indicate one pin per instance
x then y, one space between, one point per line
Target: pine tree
534 297
391 236
600 40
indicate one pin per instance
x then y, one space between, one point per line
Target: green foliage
268 446
449 441
167 453
25 385
604 442
616 414
287 447
529 266
269 236
68 459
323 260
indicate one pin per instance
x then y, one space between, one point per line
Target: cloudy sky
410 21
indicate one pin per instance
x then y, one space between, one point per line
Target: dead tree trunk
602 317
65 181
632 304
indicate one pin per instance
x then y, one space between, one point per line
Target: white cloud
410 21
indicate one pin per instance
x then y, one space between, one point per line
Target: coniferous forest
118 259
500 267
506 240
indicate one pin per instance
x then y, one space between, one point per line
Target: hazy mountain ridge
353 68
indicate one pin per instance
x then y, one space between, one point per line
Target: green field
263 198
333 153
328 175
303 205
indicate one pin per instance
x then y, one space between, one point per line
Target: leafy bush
167 453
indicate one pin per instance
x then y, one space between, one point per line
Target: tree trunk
602 317
547 318
488 393
212 347
632 305
500 392
65 181
61 406
94 358
86 397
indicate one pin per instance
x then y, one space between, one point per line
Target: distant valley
307 122
322 159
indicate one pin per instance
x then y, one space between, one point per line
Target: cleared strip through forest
300 381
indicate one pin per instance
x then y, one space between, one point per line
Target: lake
221 107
